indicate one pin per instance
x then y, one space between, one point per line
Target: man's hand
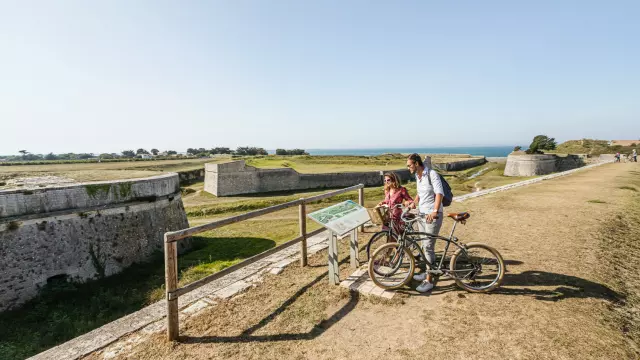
431 217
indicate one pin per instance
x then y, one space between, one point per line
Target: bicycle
475 267
391 234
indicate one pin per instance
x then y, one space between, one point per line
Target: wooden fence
171 250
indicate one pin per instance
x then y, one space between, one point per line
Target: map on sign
341 218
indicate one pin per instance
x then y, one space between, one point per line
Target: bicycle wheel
478 269
391 266
378 239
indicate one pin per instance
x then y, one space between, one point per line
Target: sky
106 76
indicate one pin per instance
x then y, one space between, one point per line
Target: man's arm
438 189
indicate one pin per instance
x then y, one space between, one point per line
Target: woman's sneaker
424 287
420 277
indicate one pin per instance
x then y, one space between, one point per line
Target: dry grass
553 305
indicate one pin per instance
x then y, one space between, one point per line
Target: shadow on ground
318 329
540 285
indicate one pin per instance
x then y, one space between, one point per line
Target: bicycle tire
474 267
391 279
376 241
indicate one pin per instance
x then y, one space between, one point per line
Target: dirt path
553 304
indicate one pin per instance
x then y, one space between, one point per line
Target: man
635 155
429 200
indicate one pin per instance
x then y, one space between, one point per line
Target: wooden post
334 272
171 284
353 251
303 233
361 202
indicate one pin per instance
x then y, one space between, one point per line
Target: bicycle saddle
459 216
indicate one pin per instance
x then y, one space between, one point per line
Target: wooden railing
171 250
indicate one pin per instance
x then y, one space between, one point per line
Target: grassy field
66 310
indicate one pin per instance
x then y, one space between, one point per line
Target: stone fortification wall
235 178
82 231
460 165
543 164
190 176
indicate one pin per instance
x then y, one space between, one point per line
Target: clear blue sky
105 76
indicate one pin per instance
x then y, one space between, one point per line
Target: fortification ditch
82 231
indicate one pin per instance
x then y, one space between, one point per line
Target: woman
394 194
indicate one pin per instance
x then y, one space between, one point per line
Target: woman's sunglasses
388 180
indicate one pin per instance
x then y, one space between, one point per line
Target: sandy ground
554 303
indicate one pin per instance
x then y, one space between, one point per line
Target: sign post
341 219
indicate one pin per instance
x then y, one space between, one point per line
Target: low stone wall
82 231
235 178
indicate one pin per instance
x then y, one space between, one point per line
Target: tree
128 154
23 152
192 151
251 151
106 156
141 151
220 150
517 148
171 152
541 142
50 156
291 152
155 151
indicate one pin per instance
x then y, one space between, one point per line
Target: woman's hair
416 159
394 180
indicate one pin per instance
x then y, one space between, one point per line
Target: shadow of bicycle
541 285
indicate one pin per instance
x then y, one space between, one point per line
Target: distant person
635 155
394 194
617 157
429 200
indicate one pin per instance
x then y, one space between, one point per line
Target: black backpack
448 194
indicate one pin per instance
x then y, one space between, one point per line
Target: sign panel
341 218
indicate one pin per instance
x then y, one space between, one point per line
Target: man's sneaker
424 287
420 277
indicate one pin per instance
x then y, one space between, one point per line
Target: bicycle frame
405 240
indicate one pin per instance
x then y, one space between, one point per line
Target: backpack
448 194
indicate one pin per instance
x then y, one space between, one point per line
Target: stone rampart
460 165
82 231
543 164
235 178
190 176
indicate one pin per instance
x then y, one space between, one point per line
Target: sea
488 151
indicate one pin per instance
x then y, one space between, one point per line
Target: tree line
139 153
